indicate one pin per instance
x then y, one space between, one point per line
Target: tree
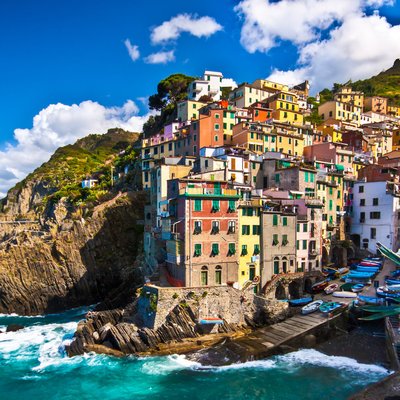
169 91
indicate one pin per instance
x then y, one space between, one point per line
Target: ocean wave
314 357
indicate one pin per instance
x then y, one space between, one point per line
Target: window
284 240
275 220
338 194
216 138
284 221
298 227
214 227
169 146
214 249
304 244
218 274
204 276
197 227
362 202
276 178
216 127
231 206
245 229
197 250
256 230
224 125
305 176
231 227
217 116
375 201
256 249
305 227
362 217
244 250
215 206
298 244
373 233
197 205
231 249
361 189
275 240
375 215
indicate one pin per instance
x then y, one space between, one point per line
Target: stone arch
280 292
294 290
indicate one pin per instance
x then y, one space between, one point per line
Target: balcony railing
250 203
208 192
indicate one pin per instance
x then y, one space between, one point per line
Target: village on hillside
247 190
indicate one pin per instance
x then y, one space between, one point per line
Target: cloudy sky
71 67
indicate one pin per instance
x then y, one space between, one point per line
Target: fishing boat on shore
344 294
370 299
211 321
329 307
319 286
331 288
300 302
358 287
312 307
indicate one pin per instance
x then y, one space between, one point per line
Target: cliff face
54 265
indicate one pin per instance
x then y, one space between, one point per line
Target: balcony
331 226
208 192
250 203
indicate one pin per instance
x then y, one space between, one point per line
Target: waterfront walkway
294 332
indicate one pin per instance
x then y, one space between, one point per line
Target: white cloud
162 57
133 50
299 21
59 125
354 45
361 47
172 29
228 82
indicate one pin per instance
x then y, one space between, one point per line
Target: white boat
310 308
331 288
350 295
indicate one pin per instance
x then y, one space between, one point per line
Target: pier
295 332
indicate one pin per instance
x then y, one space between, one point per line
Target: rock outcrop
69 260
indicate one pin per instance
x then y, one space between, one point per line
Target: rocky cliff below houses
66 260
168 320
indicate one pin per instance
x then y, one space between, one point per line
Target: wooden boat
346 286
319 286
331 288
360 268
329 307
370 299
358 287
364 275
389 281
343 270
300 302
370 264
386 252
344 294
365 281
312 307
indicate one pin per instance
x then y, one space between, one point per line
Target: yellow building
249 240
285 107
229 118
396 139
332 132
340 111
270 86
393 111
188 110
347 95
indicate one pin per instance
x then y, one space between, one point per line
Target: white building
210 85
375 216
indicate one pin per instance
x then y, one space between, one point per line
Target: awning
339 167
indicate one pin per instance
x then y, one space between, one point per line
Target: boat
364 275
312 307
358 287
366 269
300 302
330 271
331 288
365 281
389 281
345 294
346 286
329 307
370 264
396 273
343 270
383 291
211 321
370 299
319 286
386 252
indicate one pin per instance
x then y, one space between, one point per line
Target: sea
34 365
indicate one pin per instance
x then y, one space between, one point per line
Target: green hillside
385 84
61 176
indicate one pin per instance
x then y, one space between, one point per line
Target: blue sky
72 51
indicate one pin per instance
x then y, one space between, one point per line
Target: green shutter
275 220
284 221
197 250
215 249
197 205
232 249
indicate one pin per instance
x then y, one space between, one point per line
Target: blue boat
300 302
396 273
392 281
370 299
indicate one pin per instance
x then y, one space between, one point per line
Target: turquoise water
33 365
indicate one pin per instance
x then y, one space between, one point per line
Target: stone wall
231 305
